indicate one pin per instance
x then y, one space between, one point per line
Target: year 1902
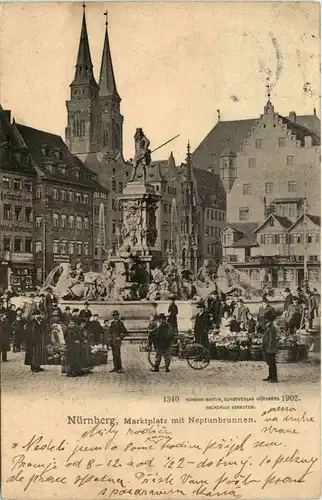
171 399
290 397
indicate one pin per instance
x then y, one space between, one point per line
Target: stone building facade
272 180
16 210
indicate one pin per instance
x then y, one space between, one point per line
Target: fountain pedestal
139 229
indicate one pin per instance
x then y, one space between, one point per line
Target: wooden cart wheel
198 356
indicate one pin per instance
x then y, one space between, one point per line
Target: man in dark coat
95 330
202 325
173 313
241 311
11 316
294 315
4 337
163 340
48 305
269 346
214 307
288 300
311 307
266 312
35 343
117 332
18 330
67 315
85 313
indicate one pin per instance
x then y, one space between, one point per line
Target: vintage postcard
160 250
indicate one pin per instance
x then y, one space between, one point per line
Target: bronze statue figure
142 154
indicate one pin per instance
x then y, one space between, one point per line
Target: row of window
289 162
213 231
279 239
72 221
17 213
17 244
101 196
281 142
64 247
16 184
215 214
255 273
269 187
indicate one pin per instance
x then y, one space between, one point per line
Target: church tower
111 118
83 109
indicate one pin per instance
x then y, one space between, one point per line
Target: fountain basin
136 314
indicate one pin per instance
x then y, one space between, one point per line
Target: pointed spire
84 66
107 83
189 166
269 108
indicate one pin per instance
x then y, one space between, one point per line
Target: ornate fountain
127 281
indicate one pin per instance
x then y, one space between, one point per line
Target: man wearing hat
266 312
35 343
202 325
117 332
288 300
172 315
163 340
85 313
269 345
294 315
241 311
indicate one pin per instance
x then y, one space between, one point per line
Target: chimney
308 141
292 116
314 111
7 114
218 114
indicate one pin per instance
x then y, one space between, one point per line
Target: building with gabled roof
272 251
17 175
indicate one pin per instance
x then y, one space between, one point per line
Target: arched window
183 258
117 136
105 136
78 125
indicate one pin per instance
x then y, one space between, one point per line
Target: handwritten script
160 458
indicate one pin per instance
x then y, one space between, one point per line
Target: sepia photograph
160 250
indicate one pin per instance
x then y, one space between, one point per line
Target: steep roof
299 131
107 82
250 240
316 219
10 159
210 188
311 122
246 231
243 227
284 221
156 171
36 140
84 66
207 154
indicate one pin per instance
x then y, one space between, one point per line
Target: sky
175 64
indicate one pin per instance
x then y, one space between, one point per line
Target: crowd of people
41 322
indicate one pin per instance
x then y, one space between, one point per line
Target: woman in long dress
74 360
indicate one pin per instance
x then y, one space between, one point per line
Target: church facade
94 133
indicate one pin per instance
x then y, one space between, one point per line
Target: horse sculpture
65 286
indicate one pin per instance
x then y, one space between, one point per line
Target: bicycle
196 355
